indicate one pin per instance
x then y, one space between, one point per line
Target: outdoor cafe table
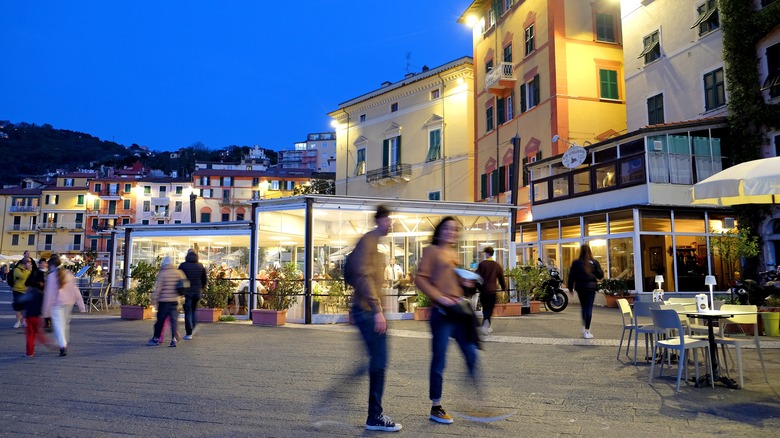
711 316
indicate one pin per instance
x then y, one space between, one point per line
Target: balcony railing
60 248
497 77
110 212
109 193
24 209
396 171
20 227
161 214
233 201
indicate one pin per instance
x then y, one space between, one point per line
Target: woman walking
584 277
437 279
60 294
166 298
33 304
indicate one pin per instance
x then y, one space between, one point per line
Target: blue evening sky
169 73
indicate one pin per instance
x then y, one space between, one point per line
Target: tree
316 186
732 246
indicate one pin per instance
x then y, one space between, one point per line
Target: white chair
738 342
664 321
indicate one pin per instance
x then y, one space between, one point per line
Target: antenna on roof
408 61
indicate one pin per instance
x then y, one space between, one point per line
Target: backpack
9 278
350 269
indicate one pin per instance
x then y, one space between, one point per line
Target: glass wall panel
550 230
550 253
656 260
621 259
720 223
540 191
691 261
596 225
529 233
599 249
569 252
658 221
570 228
632 170
688 222
560 187
605 176
621 222
581 182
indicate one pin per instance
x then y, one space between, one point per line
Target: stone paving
234 379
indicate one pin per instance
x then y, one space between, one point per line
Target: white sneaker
18 324
587 335
187 337
490 329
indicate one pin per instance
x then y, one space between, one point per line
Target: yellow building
411 139
543 69
21 206
63 211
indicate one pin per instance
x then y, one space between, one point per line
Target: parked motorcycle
553 297
756 292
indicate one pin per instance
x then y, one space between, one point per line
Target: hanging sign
574 156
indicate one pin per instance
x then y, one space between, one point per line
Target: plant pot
135 312
510 309
207 314
534 306
422 313
771 322
611 300
269 318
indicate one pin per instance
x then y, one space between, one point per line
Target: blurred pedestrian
368 316
196 274
60 294
166 299
33 307
22 270
436 278
491 272
584 276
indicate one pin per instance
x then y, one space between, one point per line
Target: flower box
135 312
422 313
207 314
269 318
510 309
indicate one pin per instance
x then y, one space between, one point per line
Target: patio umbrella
752 182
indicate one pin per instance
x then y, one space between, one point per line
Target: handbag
182 286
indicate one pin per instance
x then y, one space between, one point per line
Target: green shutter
523 103
501 109
524 173
494 184
385 153
483 186
399 151
502 179
609 86
537 90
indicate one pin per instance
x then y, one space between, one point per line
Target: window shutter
483 186
501 109
494 184
524 173
385 153
523 100
501 179
398 157
537 88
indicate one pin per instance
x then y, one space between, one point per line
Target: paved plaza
234 379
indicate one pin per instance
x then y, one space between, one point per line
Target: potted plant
285 285
135 302
769 323
527 280
215 297
613 289
422 312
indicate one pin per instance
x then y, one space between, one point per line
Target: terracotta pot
422 313
267 317
611 300
135 312
206 314
535 306
510 309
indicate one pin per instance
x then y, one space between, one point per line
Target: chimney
385 84
425 68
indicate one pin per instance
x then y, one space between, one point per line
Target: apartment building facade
547 75
21 207
317 153
63 215
412 139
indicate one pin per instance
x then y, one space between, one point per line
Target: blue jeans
442 329
166 310
376 346
190 306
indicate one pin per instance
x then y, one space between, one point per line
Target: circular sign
574 156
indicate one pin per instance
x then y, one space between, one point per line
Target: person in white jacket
59 296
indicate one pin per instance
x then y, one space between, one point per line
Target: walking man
368 267
490 271
196 274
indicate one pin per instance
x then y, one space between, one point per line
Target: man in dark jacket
196 274
491 272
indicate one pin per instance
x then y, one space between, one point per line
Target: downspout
443 155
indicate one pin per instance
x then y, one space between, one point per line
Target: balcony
18 228
110 194
500 81
60 248
233 202
396 172
162 214
110 212
34 209
163 200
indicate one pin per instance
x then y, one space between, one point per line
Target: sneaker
587 335
187 337
490 329
153 342
24 324
438 415
18 324
29 355
63 351
382 423
173 343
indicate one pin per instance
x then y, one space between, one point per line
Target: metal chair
737 342
628 324
642 310
93 297
666 320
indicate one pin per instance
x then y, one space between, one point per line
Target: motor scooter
756 292
553 297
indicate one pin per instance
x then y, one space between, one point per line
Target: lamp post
710 281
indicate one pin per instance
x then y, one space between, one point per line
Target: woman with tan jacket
166 299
